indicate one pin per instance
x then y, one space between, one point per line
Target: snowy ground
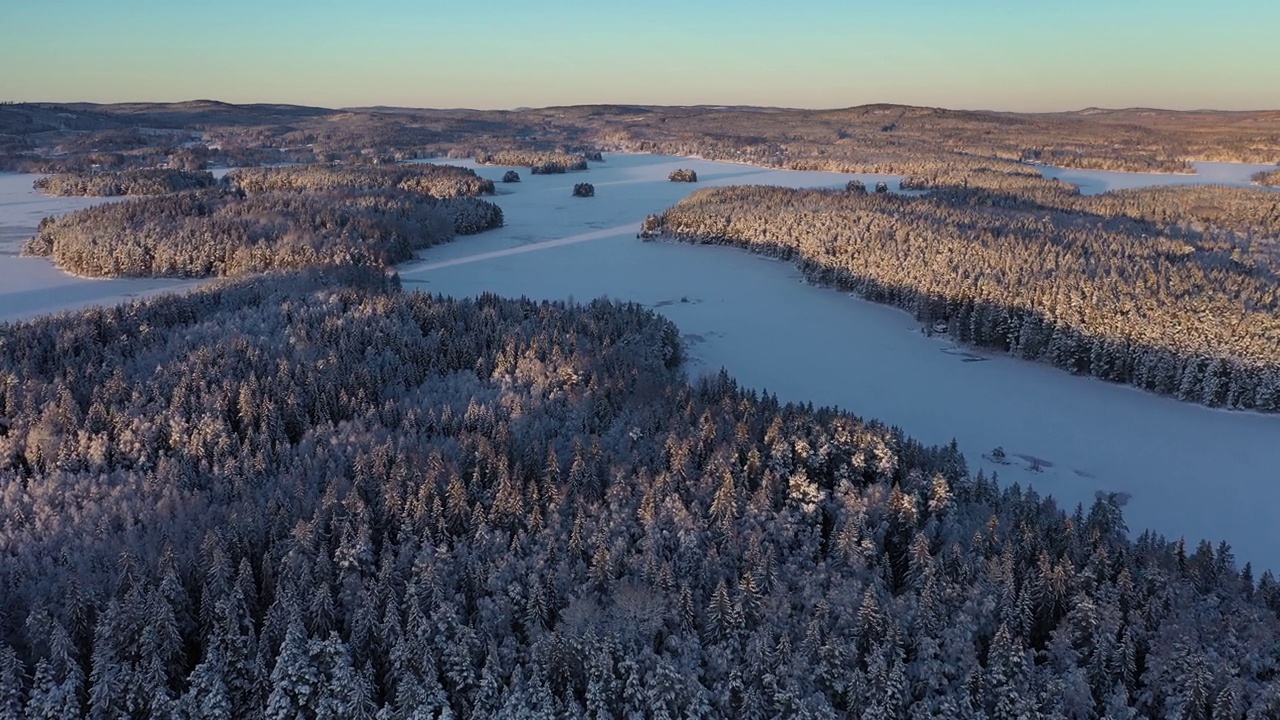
1191 471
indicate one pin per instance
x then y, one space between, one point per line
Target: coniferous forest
539 162
301 491
1172 290
145 181
318 496
274 218
424 178
877 138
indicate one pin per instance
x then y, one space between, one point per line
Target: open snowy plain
1191 471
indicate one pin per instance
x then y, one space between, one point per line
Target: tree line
1124 286
318 496
222 232
149 181
424 178
1248 217
539 162
879 138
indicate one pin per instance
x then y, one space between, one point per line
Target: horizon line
705 106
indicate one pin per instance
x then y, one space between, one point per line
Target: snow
1191 471
1094 182
33 286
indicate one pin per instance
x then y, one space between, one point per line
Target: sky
1022 55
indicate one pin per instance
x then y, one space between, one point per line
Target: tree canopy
316 495
150 181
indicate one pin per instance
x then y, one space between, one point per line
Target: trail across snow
518 250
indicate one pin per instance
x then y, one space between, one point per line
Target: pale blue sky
998 54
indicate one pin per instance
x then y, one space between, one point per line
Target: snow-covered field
1191 471
33 286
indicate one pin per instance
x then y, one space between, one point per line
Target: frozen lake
33 286
1094 182
1191 471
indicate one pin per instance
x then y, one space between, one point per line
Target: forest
300 491
221 231
1247 216
146 181
882 138
539 163
1127 286
315 495
273 218
424 178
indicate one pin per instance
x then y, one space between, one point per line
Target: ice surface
1093 182
33 286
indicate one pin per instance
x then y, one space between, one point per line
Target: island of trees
148 181
538 162
584 190
511 176
424 178
683 175
275 218
1172 289
319 496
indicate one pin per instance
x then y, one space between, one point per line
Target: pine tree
12 684
721 614
342 694
58 684
206 697
295 680
1007 679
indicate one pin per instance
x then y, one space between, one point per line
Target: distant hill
201 113
880 137
27 119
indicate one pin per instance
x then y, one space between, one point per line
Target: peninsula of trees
148 181
319 496
288 218
1125 286
1271 178
424 178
